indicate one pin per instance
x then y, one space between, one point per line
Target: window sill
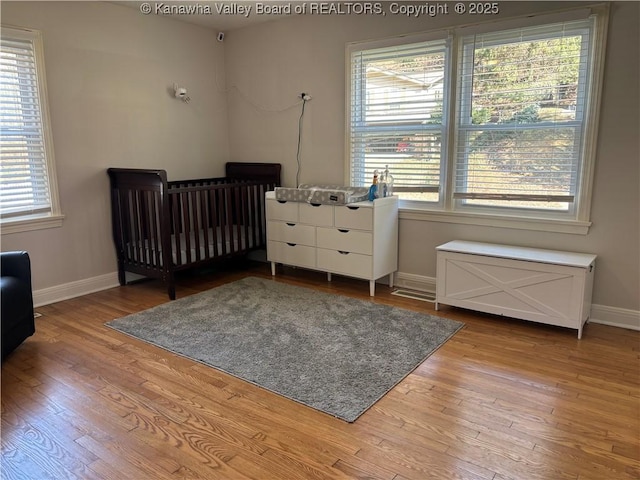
30 223
574 227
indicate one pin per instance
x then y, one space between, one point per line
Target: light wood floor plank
502 400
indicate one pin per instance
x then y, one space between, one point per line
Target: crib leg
171 287
122 276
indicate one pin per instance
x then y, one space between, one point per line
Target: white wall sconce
181 93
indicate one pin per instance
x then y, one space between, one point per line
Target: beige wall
272 62
108 71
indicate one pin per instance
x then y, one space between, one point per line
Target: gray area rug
336 354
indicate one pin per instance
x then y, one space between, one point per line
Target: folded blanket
322 194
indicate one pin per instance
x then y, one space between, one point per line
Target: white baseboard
603 314
78 288
616 317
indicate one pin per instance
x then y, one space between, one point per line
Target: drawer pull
352 208
342 252
291 244
281 201
315 204
290 224
341 230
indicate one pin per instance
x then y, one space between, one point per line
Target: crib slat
251 215
255 213
246 197
245 225
213 211
154 236
189 227
184 200
155 231
240 220
194 224
247 212
237 219
175 223
145 242
262 240
228 226
140 231
135 236
204 216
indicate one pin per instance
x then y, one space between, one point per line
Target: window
398 115
512 135
521 117
28 194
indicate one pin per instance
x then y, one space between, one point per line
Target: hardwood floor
503 399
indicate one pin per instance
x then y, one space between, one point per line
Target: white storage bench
543 286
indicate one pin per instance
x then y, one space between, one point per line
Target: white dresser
357 240
545 286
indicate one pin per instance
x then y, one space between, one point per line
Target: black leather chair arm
16 300
16 264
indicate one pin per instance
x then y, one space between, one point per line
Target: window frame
448 209
54 217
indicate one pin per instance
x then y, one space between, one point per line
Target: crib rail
216 220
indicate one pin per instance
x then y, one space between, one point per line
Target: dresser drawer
291 233
354 241
285 211
320 215
291 254
351 217
353 264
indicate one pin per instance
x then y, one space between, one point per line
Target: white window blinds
521 116
397 111
24 179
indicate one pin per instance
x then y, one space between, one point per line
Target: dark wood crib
161 227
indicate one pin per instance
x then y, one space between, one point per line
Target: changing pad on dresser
322 194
